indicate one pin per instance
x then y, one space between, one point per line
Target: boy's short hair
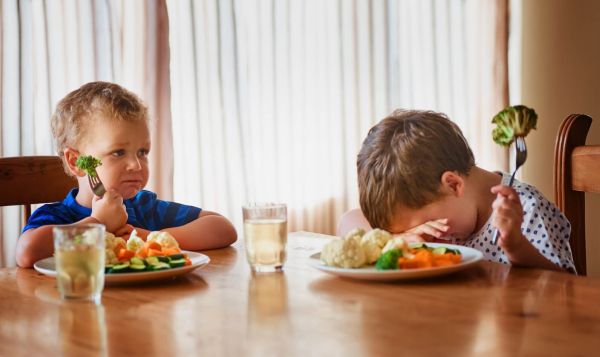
91 101
402 160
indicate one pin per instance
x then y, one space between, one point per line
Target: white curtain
271 99
49 48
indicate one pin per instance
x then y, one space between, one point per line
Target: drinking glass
265 234
79 254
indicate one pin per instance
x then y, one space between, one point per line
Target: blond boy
108 122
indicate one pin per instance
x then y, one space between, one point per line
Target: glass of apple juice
265 235
79 257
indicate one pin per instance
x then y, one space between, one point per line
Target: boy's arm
523 253
209 231
38 243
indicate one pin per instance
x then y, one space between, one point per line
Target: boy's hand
110 211
124 231
507 218
425 232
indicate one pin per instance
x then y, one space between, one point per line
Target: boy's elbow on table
33 245
206 232
219 230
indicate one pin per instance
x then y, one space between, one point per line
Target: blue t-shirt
144 211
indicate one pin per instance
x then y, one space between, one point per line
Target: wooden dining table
224 310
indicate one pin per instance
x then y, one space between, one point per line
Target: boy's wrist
90 219
517 249
514 247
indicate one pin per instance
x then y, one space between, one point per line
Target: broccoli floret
388 260
88 164
512 122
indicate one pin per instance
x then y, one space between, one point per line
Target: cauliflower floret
134 242
110 243
372 243
164 239
110 258
395 243
345 253
356 233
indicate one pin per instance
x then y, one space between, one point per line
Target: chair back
576 171
27 180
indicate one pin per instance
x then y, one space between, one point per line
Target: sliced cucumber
158 266
152 260
440 250
177 263
163 259
136 261
120 268
176 256
107 268
137 267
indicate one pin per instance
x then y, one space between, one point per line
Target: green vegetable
512 122
159 266
88 164
177 263
388 260
440 250
120 268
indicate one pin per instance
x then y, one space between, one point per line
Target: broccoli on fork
88 164
513 122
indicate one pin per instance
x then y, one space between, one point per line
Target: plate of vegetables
378 256
135 260
47 267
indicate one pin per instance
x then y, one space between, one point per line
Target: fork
521 156
96 185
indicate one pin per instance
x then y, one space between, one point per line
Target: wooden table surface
223 310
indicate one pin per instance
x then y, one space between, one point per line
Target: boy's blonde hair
402 160
91 101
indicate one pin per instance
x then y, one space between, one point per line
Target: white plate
48 267
470 256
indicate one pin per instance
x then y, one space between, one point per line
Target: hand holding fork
521 156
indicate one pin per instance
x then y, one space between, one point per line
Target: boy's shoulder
53 213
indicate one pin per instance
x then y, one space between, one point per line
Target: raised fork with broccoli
88 164
512 122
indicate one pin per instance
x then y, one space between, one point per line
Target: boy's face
123 147
462 217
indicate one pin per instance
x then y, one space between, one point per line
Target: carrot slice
117 248
155 253
171 251
125 254
153 245
142 252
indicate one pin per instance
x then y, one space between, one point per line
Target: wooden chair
28 180
576 171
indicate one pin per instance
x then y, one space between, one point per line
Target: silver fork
96 185
521 156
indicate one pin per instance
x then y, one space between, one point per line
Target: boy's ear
71 156
453 183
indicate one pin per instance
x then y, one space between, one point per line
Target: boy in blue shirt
108 122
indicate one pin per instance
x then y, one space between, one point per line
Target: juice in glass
79 255
265 234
